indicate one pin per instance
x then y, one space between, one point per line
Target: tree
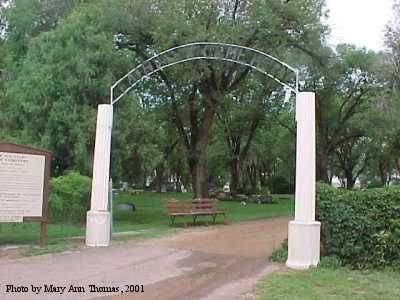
381 124
345 84
268 25
390 110
22 20
351 160
272 156
240 116
393 45
64 55
52 101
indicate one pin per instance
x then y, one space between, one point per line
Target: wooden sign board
24 185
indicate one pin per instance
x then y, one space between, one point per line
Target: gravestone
126 206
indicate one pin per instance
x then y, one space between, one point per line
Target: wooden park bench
194 208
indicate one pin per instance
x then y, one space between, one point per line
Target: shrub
374 184
265 191
69 197
330 262
362 228
280 254
280 185
327 262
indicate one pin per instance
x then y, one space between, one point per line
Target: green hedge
69 198
362 228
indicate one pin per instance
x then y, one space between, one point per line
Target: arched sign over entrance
264 63
304 231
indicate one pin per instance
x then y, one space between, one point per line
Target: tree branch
235 9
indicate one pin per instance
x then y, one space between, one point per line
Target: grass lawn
320 283
23 233
149 215
150 212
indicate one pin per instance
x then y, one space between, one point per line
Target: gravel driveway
216 262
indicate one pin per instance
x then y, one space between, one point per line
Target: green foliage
330 262
192 94
51 100
281 254
69 198
280 185
28 18
59 58
327 262
362 228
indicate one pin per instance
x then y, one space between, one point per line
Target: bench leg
172 220
214 217
194 219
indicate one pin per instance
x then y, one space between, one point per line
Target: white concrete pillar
98 218
304 231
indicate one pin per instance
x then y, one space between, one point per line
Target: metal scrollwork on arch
272 67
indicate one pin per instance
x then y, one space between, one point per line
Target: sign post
24 185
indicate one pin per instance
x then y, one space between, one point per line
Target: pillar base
98 228
303 245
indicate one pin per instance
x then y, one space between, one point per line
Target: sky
359 22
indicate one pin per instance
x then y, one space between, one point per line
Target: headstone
261 199
126 206
227 189
222 196
183 189
242 197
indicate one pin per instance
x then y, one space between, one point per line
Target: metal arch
294 89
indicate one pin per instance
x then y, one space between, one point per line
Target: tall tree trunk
202 179
252 174
193 174
201 182
322 166
159 176
397 160
350 180
200 153
322 145
234 170
199 173
382 173
178 183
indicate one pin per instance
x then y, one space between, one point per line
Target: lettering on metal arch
257 60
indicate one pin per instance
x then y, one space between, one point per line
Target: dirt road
216 262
